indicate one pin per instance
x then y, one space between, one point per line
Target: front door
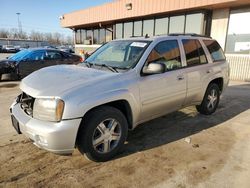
166 92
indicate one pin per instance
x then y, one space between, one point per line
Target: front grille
26 103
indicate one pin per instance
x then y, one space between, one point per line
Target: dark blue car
27 61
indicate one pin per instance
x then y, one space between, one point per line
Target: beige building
225 20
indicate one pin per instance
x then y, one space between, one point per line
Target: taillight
81 59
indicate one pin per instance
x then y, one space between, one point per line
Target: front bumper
56 137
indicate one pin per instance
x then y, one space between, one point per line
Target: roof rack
188 34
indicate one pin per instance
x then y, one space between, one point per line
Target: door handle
180 77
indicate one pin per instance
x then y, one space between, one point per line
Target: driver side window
168 53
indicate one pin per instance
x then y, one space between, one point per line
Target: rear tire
210 101
102 133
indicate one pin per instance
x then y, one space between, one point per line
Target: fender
86 104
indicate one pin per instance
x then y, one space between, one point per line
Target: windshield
118 54
20 55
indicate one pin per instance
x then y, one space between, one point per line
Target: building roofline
116 10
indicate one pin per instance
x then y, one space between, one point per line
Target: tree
4 33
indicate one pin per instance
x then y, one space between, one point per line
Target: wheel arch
121 104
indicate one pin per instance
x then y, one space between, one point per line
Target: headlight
48 109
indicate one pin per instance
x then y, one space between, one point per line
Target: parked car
121 85
9 49
27 61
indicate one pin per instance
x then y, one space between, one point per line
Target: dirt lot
158 153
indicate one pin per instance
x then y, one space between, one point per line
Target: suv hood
56 80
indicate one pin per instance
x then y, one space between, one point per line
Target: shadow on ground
186 122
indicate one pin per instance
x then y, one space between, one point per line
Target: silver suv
124 83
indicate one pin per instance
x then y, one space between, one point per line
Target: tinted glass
53 55
138 28
176 24
96 37
108 36
148 27
102 36
78 36
128 29
89 37
166 52
118 30
83 36
161 26
215 50
203 58
35 56
191 51
194 23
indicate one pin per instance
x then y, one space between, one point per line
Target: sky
41 15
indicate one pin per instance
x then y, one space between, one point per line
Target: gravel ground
182 149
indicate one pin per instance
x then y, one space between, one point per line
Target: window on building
195 54
83 36
108 36
78 36
88 37
102 36
118 30
194 23
161 26
166 52
238 36
128 29
176 24
148 27
215 50
96 36
138 28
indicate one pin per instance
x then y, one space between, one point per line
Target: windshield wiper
113 69
107 66
88 64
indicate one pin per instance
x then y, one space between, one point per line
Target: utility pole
19 24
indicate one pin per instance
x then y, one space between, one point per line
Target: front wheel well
121 105
219 82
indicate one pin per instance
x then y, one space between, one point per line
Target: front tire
210 101
102 133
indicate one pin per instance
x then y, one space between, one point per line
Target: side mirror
154 68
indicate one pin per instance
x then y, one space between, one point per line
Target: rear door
34 61
197 70
54 58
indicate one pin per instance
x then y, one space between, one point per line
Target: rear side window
53 55
166 52
195 54
215 50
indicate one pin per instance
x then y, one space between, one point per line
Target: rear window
215 50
